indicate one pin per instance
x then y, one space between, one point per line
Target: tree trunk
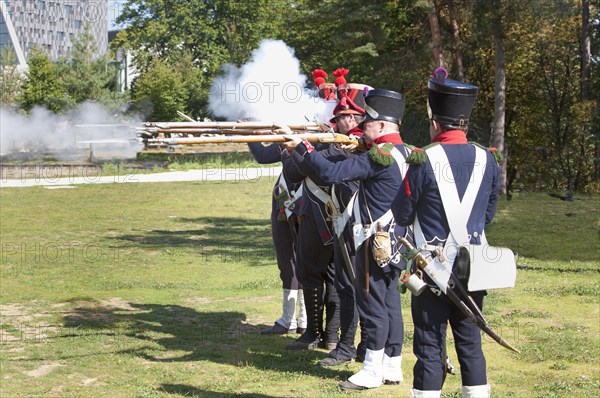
497 139
457 43
585 49
436 37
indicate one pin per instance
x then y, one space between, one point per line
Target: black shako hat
450 101
384 105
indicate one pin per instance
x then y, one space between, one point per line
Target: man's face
371 130
345 123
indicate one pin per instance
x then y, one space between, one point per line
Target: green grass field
160 290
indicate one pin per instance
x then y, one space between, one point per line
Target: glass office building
51 25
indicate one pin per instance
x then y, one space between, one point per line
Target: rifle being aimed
229 139
226 128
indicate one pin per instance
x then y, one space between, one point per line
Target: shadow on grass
231 239
175 333
190 391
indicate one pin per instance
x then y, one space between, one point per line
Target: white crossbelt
457 211
317 191
292 195
340 220
361 232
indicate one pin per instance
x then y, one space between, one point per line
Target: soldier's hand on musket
291 142
282 129
350 147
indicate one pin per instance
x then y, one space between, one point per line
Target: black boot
345 350
332 313
311 338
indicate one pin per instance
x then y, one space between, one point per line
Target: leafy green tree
10 77
193 81
381 42
86 78
160 92
41 85
355 39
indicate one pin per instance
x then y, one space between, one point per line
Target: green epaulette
418 156
495 153
382 154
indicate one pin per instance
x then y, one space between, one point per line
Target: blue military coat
420 194
379 185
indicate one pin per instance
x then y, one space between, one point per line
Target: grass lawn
160 290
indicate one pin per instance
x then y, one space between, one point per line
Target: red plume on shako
354 91
319 75
340 81
327 91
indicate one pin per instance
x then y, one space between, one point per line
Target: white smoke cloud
43 133
269 88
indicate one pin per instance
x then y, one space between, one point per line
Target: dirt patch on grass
117 303
198 300
43 370
97 313
19 322
87 382
15 312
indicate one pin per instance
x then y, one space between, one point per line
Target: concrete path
210 174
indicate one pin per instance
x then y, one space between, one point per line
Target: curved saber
474 314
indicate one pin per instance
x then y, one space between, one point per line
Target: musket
470 309
233 126
202 131
234 139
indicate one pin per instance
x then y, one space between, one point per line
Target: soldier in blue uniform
347 116
378 261
315 255
314 250
420 201
283 230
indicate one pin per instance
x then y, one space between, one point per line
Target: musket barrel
221 139
234 139
199 131
234 126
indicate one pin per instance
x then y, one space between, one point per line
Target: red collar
451 137
392 138
355 131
